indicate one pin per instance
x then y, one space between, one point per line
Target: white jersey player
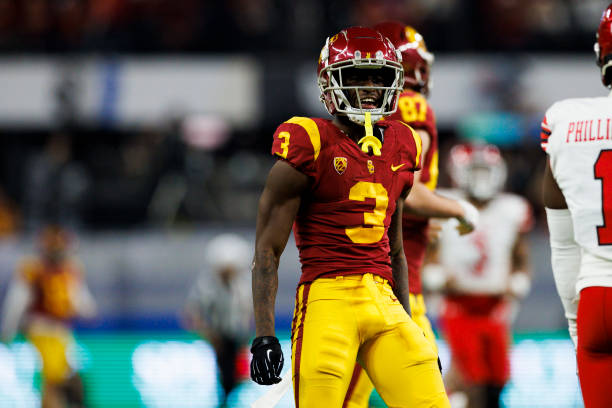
577 136
482 273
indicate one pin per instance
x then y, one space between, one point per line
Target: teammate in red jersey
341 184
422 203
47 291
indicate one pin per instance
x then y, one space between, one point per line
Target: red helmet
361 48
479 170
603 46
416 59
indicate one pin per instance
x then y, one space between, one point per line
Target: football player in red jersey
49 290
422 203
341 184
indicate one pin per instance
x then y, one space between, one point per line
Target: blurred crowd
157 178
112 179
138 26
145 175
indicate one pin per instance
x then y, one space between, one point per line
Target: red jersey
413 109
341 226
52 286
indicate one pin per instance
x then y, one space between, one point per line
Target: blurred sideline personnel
47 291
577 137
421 203
341 183
482 276
219 306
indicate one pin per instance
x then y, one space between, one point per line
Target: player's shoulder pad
557 110
519 209
303 131
564 108
409 139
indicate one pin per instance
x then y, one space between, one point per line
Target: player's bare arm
278 207
399 266
552 196
520 278
520 254
425 203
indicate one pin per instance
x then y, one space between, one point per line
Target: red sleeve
544 134
412 146
298 142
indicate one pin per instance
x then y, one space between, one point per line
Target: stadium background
145 126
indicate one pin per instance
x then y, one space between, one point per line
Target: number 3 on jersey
369 235
603 172
285 145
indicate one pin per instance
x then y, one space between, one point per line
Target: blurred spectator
219 306
55 185
46 292
71 23
264 25
36 25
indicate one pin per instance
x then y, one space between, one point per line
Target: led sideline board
173 369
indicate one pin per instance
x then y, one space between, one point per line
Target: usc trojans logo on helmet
340 164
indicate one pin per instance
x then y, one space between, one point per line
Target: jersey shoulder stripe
311 128
544 133
434 172
417 142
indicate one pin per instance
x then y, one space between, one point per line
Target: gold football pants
360 388
338 321
52 343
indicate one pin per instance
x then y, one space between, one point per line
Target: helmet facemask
483 182
418 77
480 171
604 63
345 98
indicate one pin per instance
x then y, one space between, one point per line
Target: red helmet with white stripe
416 59
362 50
603 46
479 170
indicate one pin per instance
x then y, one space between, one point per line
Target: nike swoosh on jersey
394 168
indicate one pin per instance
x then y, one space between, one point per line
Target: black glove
268 360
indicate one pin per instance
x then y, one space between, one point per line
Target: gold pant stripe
296 345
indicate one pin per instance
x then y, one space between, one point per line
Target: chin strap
369 141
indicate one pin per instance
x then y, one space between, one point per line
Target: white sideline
276 392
